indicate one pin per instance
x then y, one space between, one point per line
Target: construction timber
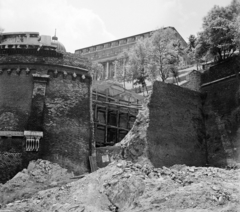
115 110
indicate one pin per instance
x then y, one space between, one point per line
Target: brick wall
176 127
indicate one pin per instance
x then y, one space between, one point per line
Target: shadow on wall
222 122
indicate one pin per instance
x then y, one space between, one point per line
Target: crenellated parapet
67 59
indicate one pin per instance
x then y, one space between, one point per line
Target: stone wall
176 127
49 97
15 107
66 123
168 130
221 70
10 164
34 56
15 100
193 81
222 118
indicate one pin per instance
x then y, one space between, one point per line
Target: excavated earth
122 186
130 185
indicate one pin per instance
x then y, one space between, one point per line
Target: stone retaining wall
176 127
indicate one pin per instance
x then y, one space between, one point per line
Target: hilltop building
106 53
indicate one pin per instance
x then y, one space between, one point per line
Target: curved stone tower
45 103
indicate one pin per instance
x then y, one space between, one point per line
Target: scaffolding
115 110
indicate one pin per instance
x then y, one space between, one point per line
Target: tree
97 70
122 74
152 58
1 31
234 9
165 53
218 36
237 35
138 61
192 42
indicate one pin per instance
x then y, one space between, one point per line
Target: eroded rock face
135 144
126 186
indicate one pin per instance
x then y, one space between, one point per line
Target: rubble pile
129 184
39 175
126 186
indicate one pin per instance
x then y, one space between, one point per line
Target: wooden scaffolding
113 115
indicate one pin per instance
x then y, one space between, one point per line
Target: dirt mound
39 175
125 186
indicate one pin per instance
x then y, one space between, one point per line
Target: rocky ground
130 185
123 186
38 176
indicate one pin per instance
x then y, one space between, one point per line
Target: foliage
217 40
1 31
97 70
166 52
237 35
139 58
151 58
192 42
122 58
122 73
132 63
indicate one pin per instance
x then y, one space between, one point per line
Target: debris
132 187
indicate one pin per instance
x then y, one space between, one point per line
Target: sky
83 23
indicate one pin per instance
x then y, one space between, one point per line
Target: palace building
106 53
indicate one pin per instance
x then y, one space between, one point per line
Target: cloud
174 12
181 15
76 27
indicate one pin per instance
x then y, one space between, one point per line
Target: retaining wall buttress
176 126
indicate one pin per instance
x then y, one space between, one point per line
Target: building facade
106 53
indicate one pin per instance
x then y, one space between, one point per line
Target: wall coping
21 133
33 133
11 133
218 80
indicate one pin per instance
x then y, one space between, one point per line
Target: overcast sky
82 23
